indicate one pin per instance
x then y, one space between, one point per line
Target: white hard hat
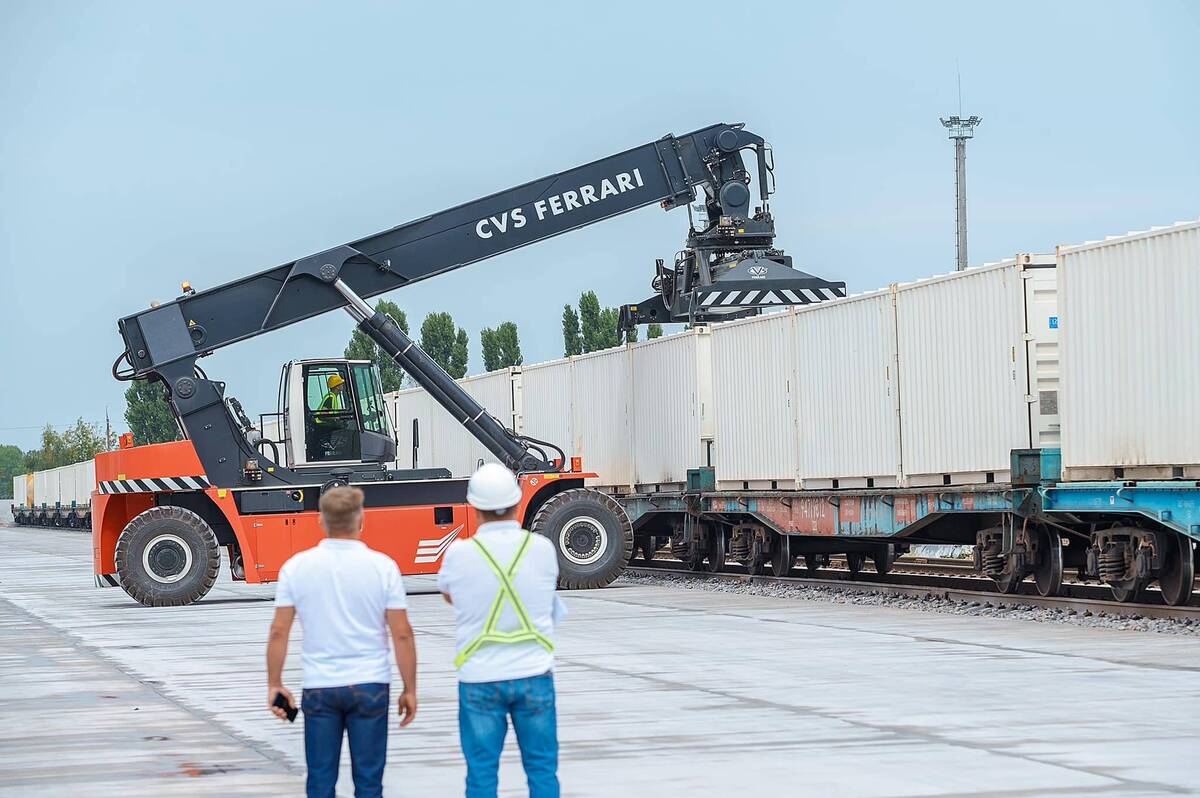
493 487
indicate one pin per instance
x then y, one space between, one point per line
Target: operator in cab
326 421
501 582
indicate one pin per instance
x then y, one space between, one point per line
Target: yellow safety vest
526 632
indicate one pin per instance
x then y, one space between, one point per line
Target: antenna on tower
960 129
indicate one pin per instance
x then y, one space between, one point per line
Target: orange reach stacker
161 513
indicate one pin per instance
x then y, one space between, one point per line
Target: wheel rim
583 540
1049 572
1178 575
167 559
716 551
781 557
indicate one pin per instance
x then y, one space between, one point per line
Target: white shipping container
45 488
672 398
409 412
18 491
602 415
66 486
754 406
451 445
964 375
848 399
85 482
545 405
1131 354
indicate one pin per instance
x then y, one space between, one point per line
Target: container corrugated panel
87 481
601 415
66 485
960 339
545 405
451 445
19 491
1130 338
43 494
672 406
753 403
410 412
847 392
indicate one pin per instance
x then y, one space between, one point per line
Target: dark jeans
483 712
361 711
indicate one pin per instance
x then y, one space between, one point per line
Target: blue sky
147 143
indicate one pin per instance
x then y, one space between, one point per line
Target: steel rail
1080 598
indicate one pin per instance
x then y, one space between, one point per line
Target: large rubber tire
590 532
167 557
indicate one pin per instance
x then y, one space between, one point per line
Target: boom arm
165 341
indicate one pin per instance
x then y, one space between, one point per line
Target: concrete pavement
662 692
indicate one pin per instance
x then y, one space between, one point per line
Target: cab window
370 398
330 424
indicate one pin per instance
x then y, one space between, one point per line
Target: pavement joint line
894 730
265 750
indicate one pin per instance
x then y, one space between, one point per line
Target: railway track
939 579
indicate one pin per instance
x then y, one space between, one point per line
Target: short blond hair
341 510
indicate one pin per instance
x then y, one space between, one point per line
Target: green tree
572 339
599 327
446 346
653 331
459 355
83 441
12 463
149 416
590 323
631 335
363 348
508 346
610 328
52 454
491 349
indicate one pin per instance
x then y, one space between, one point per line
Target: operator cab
331 412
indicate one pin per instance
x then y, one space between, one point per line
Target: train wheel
855 561
883 558
782 558
695 556
1048 572
167 557
756 561
647 547
1177 575
591 533
716 550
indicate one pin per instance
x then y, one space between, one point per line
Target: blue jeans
359 710
483 712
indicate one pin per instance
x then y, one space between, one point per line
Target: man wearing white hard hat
501 582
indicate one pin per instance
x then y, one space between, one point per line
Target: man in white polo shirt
348 598
502 583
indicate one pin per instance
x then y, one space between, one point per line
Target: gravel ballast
930 603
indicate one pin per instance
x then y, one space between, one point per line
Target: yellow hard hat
334 381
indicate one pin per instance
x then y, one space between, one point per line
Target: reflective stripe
527 632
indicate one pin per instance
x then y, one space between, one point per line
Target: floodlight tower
960 129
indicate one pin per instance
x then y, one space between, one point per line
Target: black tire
590 532
167 557
884 557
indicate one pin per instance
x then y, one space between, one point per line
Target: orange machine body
415 534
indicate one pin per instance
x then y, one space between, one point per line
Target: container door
1041 342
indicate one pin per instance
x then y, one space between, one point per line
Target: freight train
58 497
1035 409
